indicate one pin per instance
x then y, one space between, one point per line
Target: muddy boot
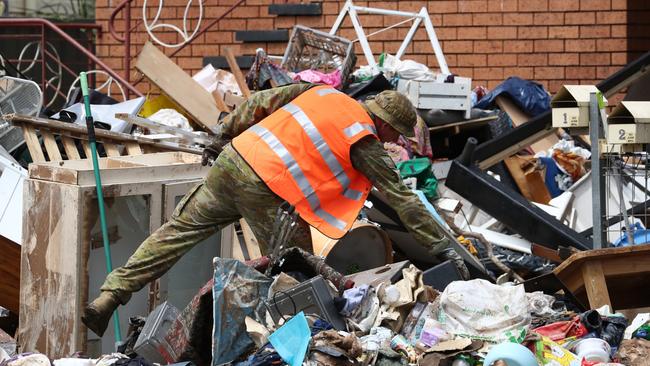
98 313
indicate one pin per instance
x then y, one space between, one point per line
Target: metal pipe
127 45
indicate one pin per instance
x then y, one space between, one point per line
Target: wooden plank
234 68
178 86
34 146
518 118
531 184
460 124
252 246
50 146
221 104
70 148
111 149
133 148
9 274
595 284
87 150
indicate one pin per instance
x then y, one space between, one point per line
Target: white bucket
593 349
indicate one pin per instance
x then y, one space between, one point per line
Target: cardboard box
571 106
629 123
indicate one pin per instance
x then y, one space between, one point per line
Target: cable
150 27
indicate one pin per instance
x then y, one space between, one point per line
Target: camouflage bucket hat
395 109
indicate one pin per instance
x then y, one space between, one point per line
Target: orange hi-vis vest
302 153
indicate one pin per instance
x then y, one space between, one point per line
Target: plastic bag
527 95
420 168
482 310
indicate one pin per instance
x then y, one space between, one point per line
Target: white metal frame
419 17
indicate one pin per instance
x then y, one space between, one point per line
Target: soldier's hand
211 152
456 259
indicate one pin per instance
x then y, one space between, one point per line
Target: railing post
127 44
43 67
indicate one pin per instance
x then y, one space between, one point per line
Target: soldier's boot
98 313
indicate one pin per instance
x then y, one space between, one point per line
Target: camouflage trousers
230 191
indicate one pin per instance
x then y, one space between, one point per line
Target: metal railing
39 32
125 36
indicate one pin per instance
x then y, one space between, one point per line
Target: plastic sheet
527 95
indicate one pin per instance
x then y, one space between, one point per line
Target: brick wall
552 41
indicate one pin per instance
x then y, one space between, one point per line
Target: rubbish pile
507 174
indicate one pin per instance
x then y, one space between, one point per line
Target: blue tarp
528 95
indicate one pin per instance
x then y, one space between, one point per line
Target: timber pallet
69 141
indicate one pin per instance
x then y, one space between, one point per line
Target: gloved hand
212 151
455 258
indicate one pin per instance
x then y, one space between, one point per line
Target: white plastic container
593 349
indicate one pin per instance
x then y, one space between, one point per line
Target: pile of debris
518 209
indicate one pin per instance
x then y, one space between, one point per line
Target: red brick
549 18
260 24
565 32
594 31
333 7
288 22
472 33
186 63
619 4
603 72
489 19
502 32
502 59
563 5
472 6
467 72
565 59
595 4
488 47
472 60
580 72
580 18
532 59
215 37
619 31
549 45
549 73
210 12
518 19
533 5
446 33
368 20
517 46
532 32
441 7
243 12
456 19
490 73
452 60
502 6
579 45
310 21
412 6
611 17
491 84
458 47
608 45
522 72
232 24
595 59
619 58
392 5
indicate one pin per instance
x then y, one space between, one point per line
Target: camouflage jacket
367 155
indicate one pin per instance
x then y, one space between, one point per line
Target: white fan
19 96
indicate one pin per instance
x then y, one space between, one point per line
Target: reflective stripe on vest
309 173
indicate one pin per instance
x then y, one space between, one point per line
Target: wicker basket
316 50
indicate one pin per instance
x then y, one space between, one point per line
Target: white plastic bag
480 309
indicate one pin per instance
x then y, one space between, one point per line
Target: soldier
309 145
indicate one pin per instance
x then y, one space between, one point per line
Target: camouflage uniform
232 190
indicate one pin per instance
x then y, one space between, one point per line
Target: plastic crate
316 50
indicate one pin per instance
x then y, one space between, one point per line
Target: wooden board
518 118
530 184
9 274
34 146
178 86
462 124
234 69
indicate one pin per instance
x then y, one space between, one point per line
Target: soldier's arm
259 106
369 157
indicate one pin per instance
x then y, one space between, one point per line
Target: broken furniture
310 49
505 204
613 276
62 264
418 18
179 86
73 136
454 96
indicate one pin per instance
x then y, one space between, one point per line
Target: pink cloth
314 76
420 144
